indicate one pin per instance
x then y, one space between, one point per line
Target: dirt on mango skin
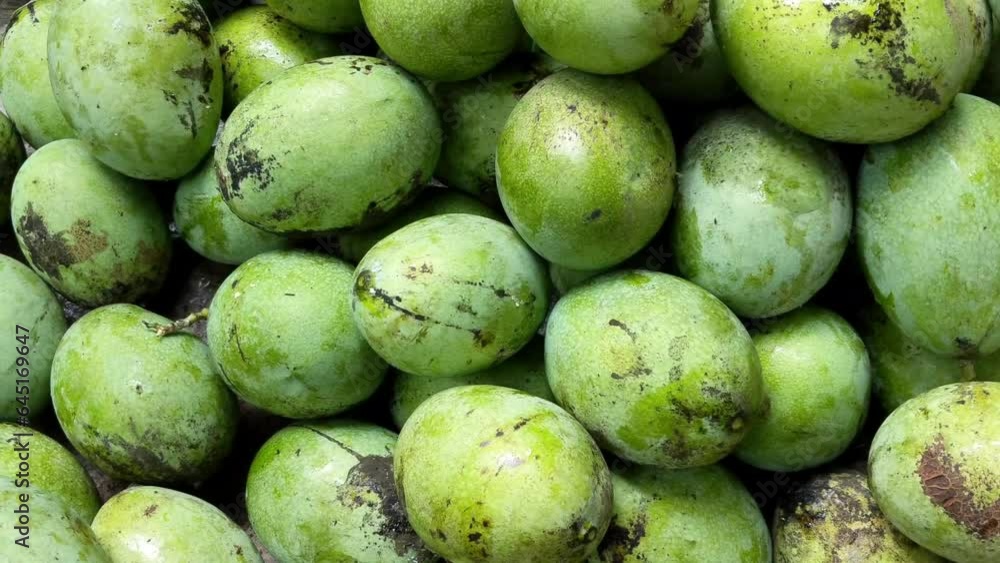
142 89
324 491
299 154
933 471
94 235
450 295
927 215
488 473
833 517
659 370
321 16
148 524
57 533
859 72
142 408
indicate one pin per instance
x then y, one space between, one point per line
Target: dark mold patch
192 20
49 251
621 542
594 215
944 484
203 74
244 163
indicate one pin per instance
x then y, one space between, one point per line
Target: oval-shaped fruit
257 44
143 408
693 72
324 491
606 36
210 228
11 158
96 236
354 245
154 525
866 71
323 16
934 473
473 114
763 213
24 76
52 469
702 514
901 370
444 39
332 144
817 380
492 474
51 532
142 88
281 331
585 169
657 369
928 211
524 372
833 517
449 295
35 325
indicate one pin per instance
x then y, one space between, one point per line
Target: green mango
53 532
321 16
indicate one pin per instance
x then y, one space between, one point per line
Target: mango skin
11 158
324 491
585 169
901 370
449 295
256 44
142 408
701 514
210 228
57 533
833 517
524 372
282 335
869 71
94 235
142 89
354 245
656 368
321 16
490 474
157 525
933 471
565 279
938 285
32 305
367 139
606 36
763 213
54 470
989 81
444 40
24 76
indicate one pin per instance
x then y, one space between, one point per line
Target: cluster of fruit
468 220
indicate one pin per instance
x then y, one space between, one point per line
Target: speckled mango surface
333 144
11 158
324 491
157 525
281 332
490 474
212 229
449 295
143 408
524 372
322 16
444 39
31 305
763 213
55 532
702 514
606 36
257 44
94 235
585 169
927 216
817 383
863 71
832 517
24 76
142 89
933 471
656 368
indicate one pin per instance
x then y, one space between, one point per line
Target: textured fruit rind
56 532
